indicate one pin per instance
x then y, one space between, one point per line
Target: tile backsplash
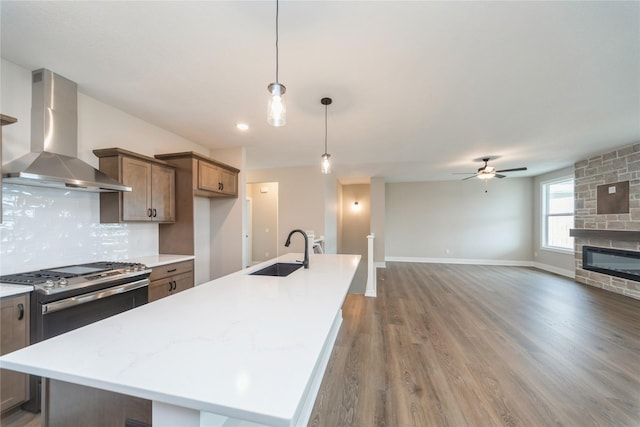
47 227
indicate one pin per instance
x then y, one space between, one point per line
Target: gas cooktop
62 279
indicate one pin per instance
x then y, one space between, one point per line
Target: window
557 214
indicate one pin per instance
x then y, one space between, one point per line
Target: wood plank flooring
460 345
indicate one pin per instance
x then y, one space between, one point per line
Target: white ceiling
420 89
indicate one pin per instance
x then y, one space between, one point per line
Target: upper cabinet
152 181
200 176
217 179
208 177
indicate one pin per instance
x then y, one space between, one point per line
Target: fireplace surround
614 231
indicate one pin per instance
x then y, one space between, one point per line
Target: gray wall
458 221
355 224
558 262
378 203
355 229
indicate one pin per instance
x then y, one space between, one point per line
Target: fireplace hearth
614 262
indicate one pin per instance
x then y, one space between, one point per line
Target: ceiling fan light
486 175
277 107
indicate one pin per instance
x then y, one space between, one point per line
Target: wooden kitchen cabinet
206 177
152 181
216 179
169 279
15 335
196 176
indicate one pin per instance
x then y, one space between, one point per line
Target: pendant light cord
277 13
325 129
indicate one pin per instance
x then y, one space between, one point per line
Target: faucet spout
305 263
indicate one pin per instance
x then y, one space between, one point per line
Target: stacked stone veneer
616 166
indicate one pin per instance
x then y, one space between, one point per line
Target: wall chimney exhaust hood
53 160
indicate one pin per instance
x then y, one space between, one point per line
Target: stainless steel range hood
53 160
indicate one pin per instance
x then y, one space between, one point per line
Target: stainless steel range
67 298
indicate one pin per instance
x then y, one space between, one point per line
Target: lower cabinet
169 279
15 335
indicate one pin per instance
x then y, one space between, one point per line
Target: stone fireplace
619 230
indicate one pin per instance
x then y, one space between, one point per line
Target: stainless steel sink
280 269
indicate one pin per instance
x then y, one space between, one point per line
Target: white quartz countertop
241 346
8 290
162 259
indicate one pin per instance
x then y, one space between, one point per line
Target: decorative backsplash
46 227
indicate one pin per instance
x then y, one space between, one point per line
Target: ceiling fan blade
463 173
512 170
500 176
469 177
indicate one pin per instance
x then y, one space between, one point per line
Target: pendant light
276 107
326 164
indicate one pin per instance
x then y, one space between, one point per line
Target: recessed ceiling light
242 126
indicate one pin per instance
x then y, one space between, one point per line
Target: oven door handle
92 296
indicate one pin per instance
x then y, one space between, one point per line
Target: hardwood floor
461 345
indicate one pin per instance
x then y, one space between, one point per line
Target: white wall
264 199
49 227
331 214
557 262
456 221
301 202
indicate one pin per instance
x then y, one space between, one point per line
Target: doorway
261 205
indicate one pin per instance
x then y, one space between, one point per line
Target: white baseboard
515 263
571 274
380 264
505 262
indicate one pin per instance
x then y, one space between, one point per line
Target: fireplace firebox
614 262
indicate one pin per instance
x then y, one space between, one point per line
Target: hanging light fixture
326 164
276 108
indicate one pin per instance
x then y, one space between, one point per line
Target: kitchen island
242 350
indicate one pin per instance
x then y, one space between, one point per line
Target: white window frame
544 190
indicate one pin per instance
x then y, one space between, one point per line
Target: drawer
167 270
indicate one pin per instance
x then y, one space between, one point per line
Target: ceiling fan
488 172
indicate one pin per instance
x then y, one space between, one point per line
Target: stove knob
49 284
63 282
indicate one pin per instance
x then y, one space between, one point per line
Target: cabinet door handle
172 270
170 285
175 285
155 212
149 212
20 311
